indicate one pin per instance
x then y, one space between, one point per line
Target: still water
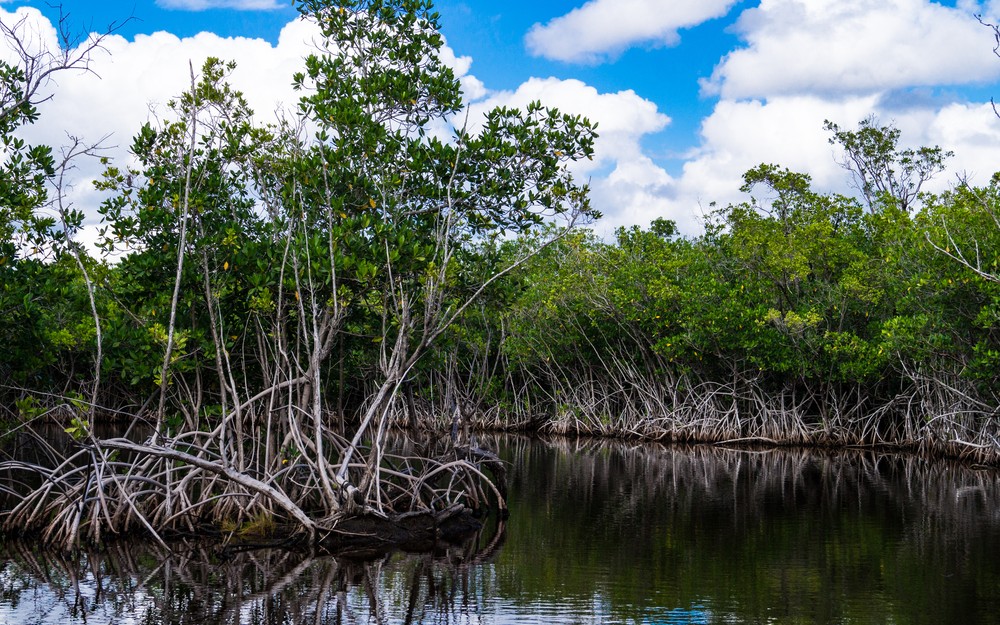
598 533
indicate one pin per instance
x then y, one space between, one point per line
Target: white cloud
973 132
472 88
623 118
240 5
636 192
810 60
35 33
734 138
803 61
138 77
629 187
626 183
606 27
788 131
988 10
852 47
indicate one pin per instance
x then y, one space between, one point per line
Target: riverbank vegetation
287 294
797 317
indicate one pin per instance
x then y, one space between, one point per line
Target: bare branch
39 64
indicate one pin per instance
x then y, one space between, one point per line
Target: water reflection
143 584
599 533
755 537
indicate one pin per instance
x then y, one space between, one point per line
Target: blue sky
688 93
492 33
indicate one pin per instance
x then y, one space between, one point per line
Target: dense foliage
797 317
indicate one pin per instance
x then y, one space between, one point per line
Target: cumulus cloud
805 61
630 187
202 5
472 88
132 80
739 135
636 191
625 182
136 78
788 131
601 28
852 47
973 132
622 117
734 138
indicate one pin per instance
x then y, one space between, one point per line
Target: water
598 533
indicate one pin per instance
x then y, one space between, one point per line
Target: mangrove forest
272 304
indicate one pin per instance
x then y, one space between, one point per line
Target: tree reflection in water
599 533
128 582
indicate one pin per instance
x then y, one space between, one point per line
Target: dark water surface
598 533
